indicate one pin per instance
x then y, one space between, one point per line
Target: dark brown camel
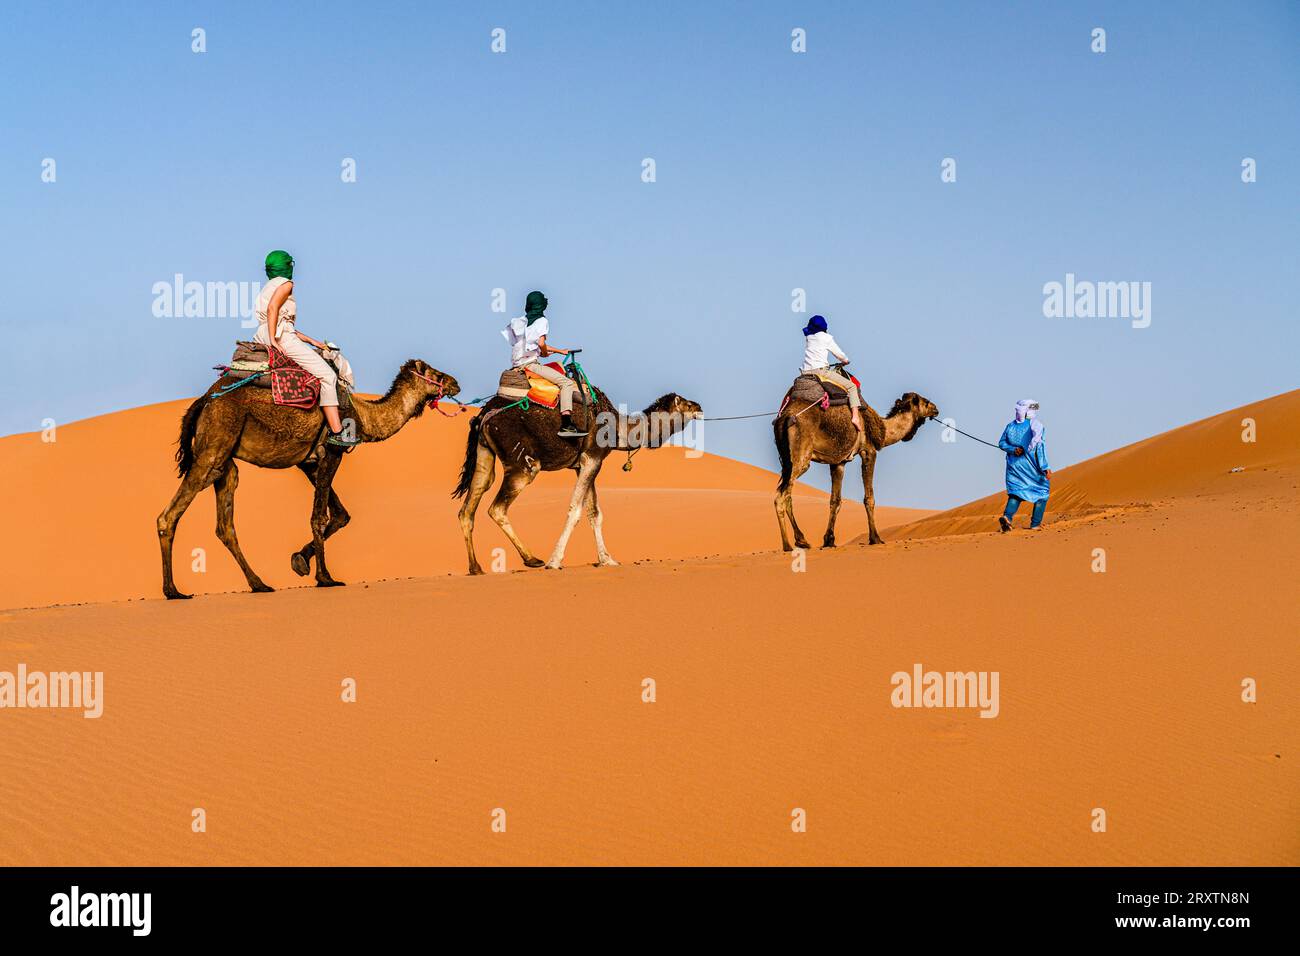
526 443
806 434
245 424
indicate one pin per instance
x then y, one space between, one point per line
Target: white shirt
523 339
288 311
817 350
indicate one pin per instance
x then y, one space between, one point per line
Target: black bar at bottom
330 905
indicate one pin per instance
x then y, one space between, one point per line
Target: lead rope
736 418
627 465
1032 460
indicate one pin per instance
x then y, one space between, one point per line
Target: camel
526 443
245 424
805 434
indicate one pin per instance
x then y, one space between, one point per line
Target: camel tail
471 457
185 444
781 433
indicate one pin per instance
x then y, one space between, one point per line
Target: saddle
516 385
249 361
289 382
810 388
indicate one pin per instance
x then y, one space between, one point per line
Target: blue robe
1025 474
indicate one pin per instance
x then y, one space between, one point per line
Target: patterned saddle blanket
289 382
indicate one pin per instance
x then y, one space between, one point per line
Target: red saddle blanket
291 384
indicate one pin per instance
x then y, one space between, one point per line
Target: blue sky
775 171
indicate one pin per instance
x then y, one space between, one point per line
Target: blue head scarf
815 324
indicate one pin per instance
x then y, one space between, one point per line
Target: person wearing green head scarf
527 337
279 264
277 316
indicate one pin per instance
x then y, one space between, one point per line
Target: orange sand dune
1120 691
90 499
1195 459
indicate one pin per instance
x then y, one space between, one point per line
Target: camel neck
900 426
382 418
646 429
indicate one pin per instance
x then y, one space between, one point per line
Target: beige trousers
307 357
568 387
844 382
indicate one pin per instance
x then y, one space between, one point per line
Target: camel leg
785 503
837 480
225 490
869 494
484 472
207 467
339 517
596 518
325 470
586 475
779 503
515 481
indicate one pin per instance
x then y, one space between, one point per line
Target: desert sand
523 691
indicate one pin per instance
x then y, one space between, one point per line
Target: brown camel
526 443
806 434
245 424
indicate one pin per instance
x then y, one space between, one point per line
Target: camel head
665 417
435 384
674 404
919 407
673 411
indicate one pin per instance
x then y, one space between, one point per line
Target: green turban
279 264
534 306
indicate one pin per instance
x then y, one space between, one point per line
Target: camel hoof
474 569
260 588
177 596
552 566
607 562
331 583
802 545
301 566
534 562
828 544
877 539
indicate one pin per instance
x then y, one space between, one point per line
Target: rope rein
735 418
1025 451
967 434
